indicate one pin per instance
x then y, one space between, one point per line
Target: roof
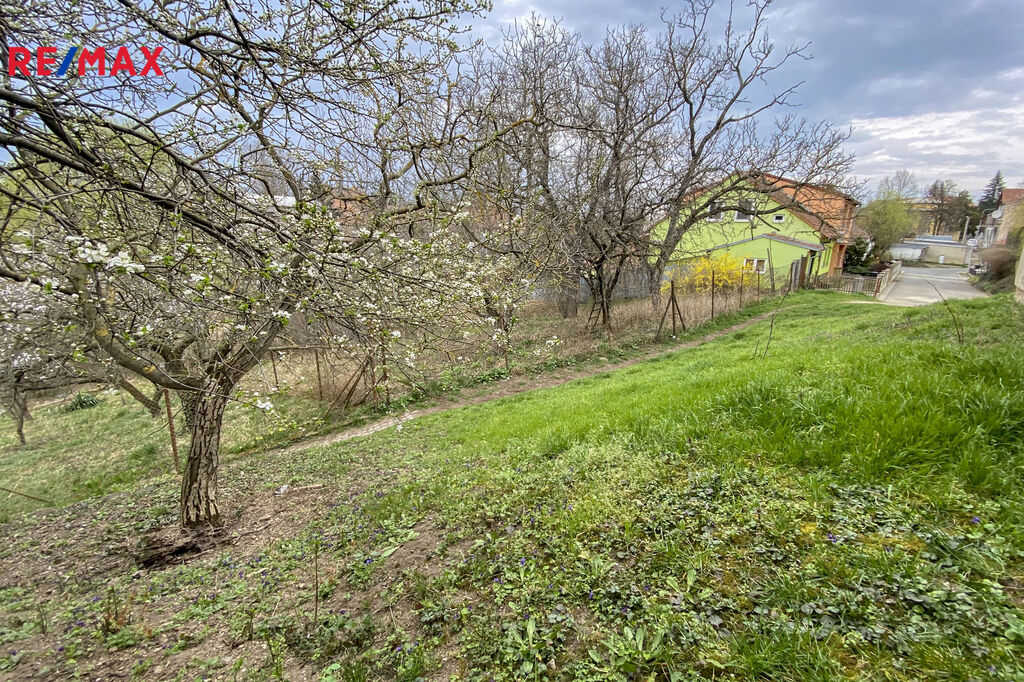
822 191
775 237
823 208
815 222
1011 194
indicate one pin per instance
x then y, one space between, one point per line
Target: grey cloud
931 85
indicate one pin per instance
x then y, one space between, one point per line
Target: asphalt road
915 286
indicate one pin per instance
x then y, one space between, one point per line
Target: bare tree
900 185
727 145
620 161
589 167
643 129
535 73
950 210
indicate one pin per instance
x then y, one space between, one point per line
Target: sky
935 87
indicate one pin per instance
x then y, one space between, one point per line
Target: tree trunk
189 404
568 297
568 305
654 276
19 408
199 482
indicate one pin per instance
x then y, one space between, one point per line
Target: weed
80 401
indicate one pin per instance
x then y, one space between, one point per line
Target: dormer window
715 211
746 210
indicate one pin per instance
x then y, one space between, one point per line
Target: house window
715 211
756 264
746 209
778 218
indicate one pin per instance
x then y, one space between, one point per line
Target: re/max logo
39 61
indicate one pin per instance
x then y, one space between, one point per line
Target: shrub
696 275
81 401
1001 262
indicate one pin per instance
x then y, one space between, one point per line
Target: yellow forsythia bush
695 275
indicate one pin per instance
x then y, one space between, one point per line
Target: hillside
845 501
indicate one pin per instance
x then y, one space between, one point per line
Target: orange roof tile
1010 195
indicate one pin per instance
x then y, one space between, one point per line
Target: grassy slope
115 445
848 506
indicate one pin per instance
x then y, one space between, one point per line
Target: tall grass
849 388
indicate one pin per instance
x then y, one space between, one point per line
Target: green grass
848 505
116 444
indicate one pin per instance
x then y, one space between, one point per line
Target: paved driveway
915 286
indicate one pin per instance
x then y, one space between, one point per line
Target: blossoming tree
141 201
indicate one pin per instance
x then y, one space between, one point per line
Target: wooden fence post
170 425
712 294
319 381
668 306
672 303
384 375
678 311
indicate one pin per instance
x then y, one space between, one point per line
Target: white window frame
752 265
715 216
778 218
743 216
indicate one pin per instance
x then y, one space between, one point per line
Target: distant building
1006 221
923 210
778 222
931 248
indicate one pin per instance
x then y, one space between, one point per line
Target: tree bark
568 305
151 404
568 297
189 404
199 483
19 408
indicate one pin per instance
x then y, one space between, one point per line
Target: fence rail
859 284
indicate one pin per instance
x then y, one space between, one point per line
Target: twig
771 326
956 321
31 497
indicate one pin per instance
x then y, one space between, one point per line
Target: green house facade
812 225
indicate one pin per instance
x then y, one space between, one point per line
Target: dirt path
513 386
